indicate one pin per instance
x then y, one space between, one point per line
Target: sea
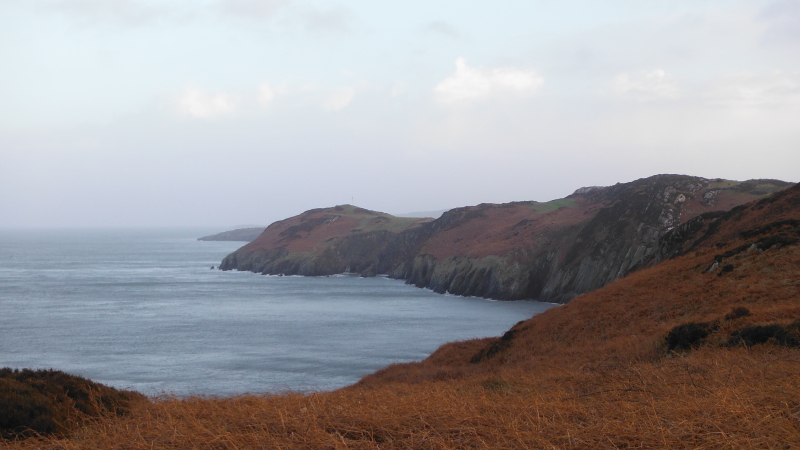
143 309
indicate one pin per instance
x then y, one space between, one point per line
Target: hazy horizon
145 113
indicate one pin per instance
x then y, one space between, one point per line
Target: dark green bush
762 334
689 335
50 401
496 347
726 269
24 411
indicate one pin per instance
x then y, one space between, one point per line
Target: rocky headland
239 234
323 241
551 251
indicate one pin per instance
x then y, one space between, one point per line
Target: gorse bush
688 336
788 336
24 411
41 402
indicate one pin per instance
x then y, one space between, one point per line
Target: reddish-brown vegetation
490 229
315 230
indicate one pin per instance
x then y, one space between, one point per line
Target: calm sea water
141 309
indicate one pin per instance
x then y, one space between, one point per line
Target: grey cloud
782 9
442 28
783 18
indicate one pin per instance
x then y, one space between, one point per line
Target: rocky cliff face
556 251
550 251
319 242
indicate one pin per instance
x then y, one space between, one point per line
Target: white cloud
339 99
266 94
196 103
470 83
656 84
751 90
253 101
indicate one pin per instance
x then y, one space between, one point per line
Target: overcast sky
226 112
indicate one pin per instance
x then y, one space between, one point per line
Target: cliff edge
551 251
323 241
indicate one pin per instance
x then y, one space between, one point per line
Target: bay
141 309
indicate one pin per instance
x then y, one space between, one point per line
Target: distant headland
240 234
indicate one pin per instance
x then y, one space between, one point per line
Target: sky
217 113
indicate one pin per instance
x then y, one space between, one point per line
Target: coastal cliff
323 241
239 234
550 251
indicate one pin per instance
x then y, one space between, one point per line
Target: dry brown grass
736 398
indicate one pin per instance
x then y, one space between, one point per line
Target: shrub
24 411
496 347
689 335
762 334
50 401
738 312
726 268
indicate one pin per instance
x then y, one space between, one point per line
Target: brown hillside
490 229
314 230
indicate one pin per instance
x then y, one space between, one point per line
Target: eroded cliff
322 241
549 251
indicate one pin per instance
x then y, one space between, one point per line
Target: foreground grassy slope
595 373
